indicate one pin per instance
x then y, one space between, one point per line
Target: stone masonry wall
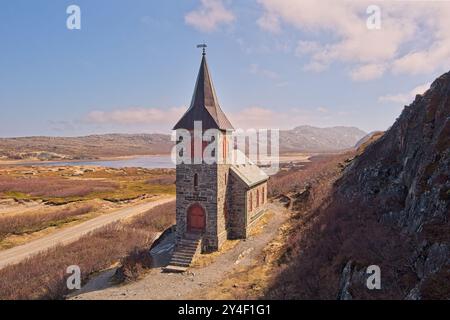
205 195
223 172
257 210
210 194
237 209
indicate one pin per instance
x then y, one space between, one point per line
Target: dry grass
325 233
206 259
259 226
322 243
59 186
251 281
43 276
296 179
52 187
28 223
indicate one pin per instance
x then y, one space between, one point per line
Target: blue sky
275 63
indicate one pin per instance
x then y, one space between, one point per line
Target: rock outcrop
390 209
404 176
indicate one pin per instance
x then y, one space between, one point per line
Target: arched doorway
196 218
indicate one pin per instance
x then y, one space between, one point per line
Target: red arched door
196 218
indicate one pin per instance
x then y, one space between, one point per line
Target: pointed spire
204 105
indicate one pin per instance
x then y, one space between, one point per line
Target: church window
195 180
263 195
257 198
224 146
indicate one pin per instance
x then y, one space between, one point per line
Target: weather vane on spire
203 46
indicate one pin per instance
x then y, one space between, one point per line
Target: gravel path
164 286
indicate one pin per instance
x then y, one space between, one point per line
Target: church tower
201 206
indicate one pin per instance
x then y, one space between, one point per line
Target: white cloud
133 116
209 16
282 84
367 72
270 23
265 118
307 47
407 97
135 120
414 37
256 69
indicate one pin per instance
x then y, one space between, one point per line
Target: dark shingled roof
205 105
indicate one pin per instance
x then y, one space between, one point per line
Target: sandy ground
157 285
9 206
73 233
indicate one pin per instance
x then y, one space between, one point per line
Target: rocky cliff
391 209
405 177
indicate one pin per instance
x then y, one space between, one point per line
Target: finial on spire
204 46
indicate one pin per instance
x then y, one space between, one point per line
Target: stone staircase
184 253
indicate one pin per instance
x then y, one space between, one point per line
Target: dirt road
71 234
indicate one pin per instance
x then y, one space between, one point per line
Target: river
148 162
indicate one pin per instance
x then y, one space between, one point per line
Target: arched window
181 152
195 180
213 152
257 198
250 202
224 148
263 195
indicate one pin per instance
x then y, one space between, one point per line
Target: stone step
188 242
179 264
171 268
189 247
184 253
181 261
182 256
184 249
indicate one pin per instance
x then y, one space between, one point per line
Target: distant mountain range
300 139
312 139
88 147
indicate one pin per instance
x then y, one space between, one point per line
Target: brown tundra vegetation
389 207
27 223
44 276
53 187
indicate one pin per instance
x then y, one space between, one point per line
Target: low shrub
43 276
32 222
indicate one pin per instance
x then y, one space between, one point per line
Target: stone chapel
218 201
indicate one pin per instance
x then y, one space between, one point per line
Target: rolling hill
300 139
